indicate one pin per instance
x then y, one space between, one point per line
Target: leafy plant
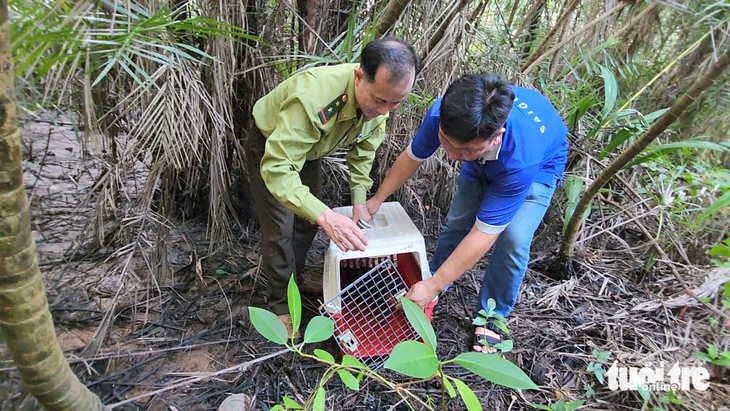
596 367
714 356
573 187
661 401
491 317
666 399
416 359
723 251
560 405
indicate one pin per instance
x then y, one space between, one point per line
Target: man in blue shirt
514 149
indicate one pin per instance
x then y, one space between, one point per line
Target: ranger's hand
360 212
373 205
342 231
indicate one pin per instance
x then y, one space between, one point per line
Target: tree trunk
391 15
441 30
556 57
549 37
308 12
24 316
512 12
634 21
576 34
528 18
532 31
568 245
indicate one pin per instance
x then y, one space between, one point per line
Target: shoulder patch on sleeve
331 109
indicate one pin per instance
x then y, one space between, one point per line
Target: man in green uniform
308 116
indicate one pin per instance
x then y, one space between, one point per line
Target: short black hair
476 106
392 52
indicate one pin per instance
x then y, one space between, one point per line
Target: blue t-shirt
534 149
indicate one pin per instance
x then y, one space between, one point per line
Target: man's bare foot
482 333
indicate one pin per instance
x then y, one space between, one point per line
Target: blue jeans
508 263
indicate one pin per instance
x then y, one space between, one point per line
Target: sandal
286 319
482 333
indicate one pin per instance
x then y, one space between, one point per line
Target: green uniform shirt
308 116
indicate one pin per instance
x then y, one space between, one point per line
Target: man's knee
516 240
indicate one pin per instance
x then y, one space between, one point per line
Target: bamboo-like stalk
512 12
549 37
575 35
528 17
677 109
24 316
439 34
392 13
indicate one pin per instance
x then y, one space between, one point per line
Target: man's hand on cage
360 212
422 293
342 231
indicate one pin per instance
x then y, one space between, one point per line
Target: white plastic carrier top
392 232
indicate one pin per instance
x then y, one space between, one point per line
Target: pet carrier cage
362 288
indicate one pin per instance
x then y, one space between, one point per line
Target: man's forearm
403 168
471 249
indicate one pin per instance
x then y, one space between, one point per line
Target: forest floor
126 337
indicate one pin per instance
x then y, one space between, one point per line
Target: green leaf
414 359
495 369
295 304
470 400
491 305
574 405
502 326
505 346
714 321
651 117
483 313
319 400
673 398
221 271
290 404
449 387
542 407
618 139
572 186
268 325
610 91
653 152
644 393
324 355
349 380
602 356
727 289
319 329
720 251
712 350
702 356
349 360
420 322
479 321
277 407
719 204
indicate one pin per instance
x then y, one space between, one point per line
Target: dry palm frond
709 288
553 294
